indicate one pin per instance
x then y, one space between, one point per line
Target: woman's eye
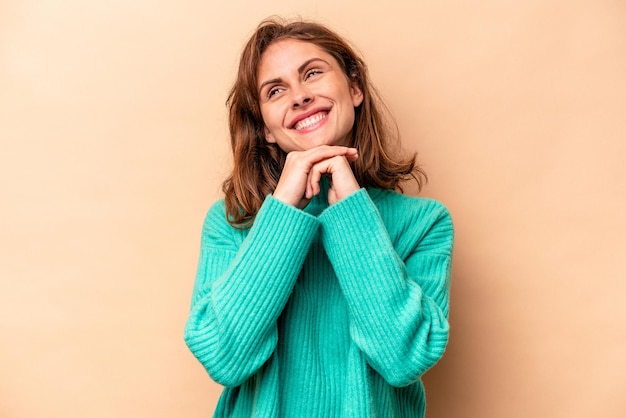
273 91
311 73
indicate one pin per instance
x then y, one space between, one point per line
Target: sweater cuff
281 226
274 215
353 218
355 235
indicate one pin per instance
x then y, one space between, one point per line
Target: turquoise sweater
324 312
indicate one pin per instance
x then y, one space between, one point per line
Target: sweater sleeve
242 287
398 306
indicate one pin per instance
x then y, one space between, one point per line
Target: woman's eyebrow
307 62
300 71
272 81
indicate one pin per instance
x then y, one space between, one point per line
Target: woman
320 291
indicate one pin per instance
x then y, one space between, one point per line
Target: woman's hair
258 163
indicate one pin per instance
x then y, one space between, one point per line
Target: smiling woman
320 291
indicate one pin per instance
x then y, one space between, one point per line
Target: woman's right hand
299 180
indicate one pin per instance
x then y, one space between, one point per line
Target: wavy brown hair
258 163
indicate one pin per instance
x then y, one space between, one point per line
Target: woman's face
306 99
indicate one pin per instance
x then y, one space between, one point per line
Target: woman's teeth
311 120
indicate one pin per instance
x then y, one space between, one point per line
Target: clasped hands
303 170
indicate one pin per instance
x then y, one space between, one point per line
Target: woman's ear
357 94
268 135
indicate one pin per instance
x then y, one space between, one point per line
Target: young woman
320 291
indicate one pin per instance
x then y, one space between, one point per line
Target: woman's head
306 99
277 86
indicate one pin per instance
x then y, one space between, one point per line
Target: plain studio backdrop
114 145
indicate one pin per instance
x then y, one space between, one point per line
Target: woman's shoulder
215 220
402 204
414 219
216 212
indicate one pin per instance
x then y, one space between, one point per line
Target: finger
325 152
315 176
309 192
329 166
352 157
314 183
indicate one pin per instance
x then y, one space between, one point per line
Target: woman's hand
303 170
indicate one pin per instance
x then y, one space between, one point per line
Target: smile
310 121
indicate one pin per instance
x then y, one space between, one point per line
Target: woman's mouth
310 121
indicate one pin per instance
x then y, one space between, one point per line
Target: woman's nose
301 96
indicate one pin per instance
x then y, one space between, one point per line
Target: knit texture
331 311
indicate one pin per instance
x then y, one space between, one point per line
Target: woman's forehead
287 55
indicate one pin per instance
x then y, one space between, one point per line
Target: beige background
114 145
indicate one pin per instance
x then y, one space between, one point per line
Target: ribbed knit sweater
330 311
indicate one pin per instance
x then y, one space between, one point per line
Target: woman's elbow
226 365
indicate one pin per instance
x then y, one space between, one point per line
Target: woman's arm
242 287
397 292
